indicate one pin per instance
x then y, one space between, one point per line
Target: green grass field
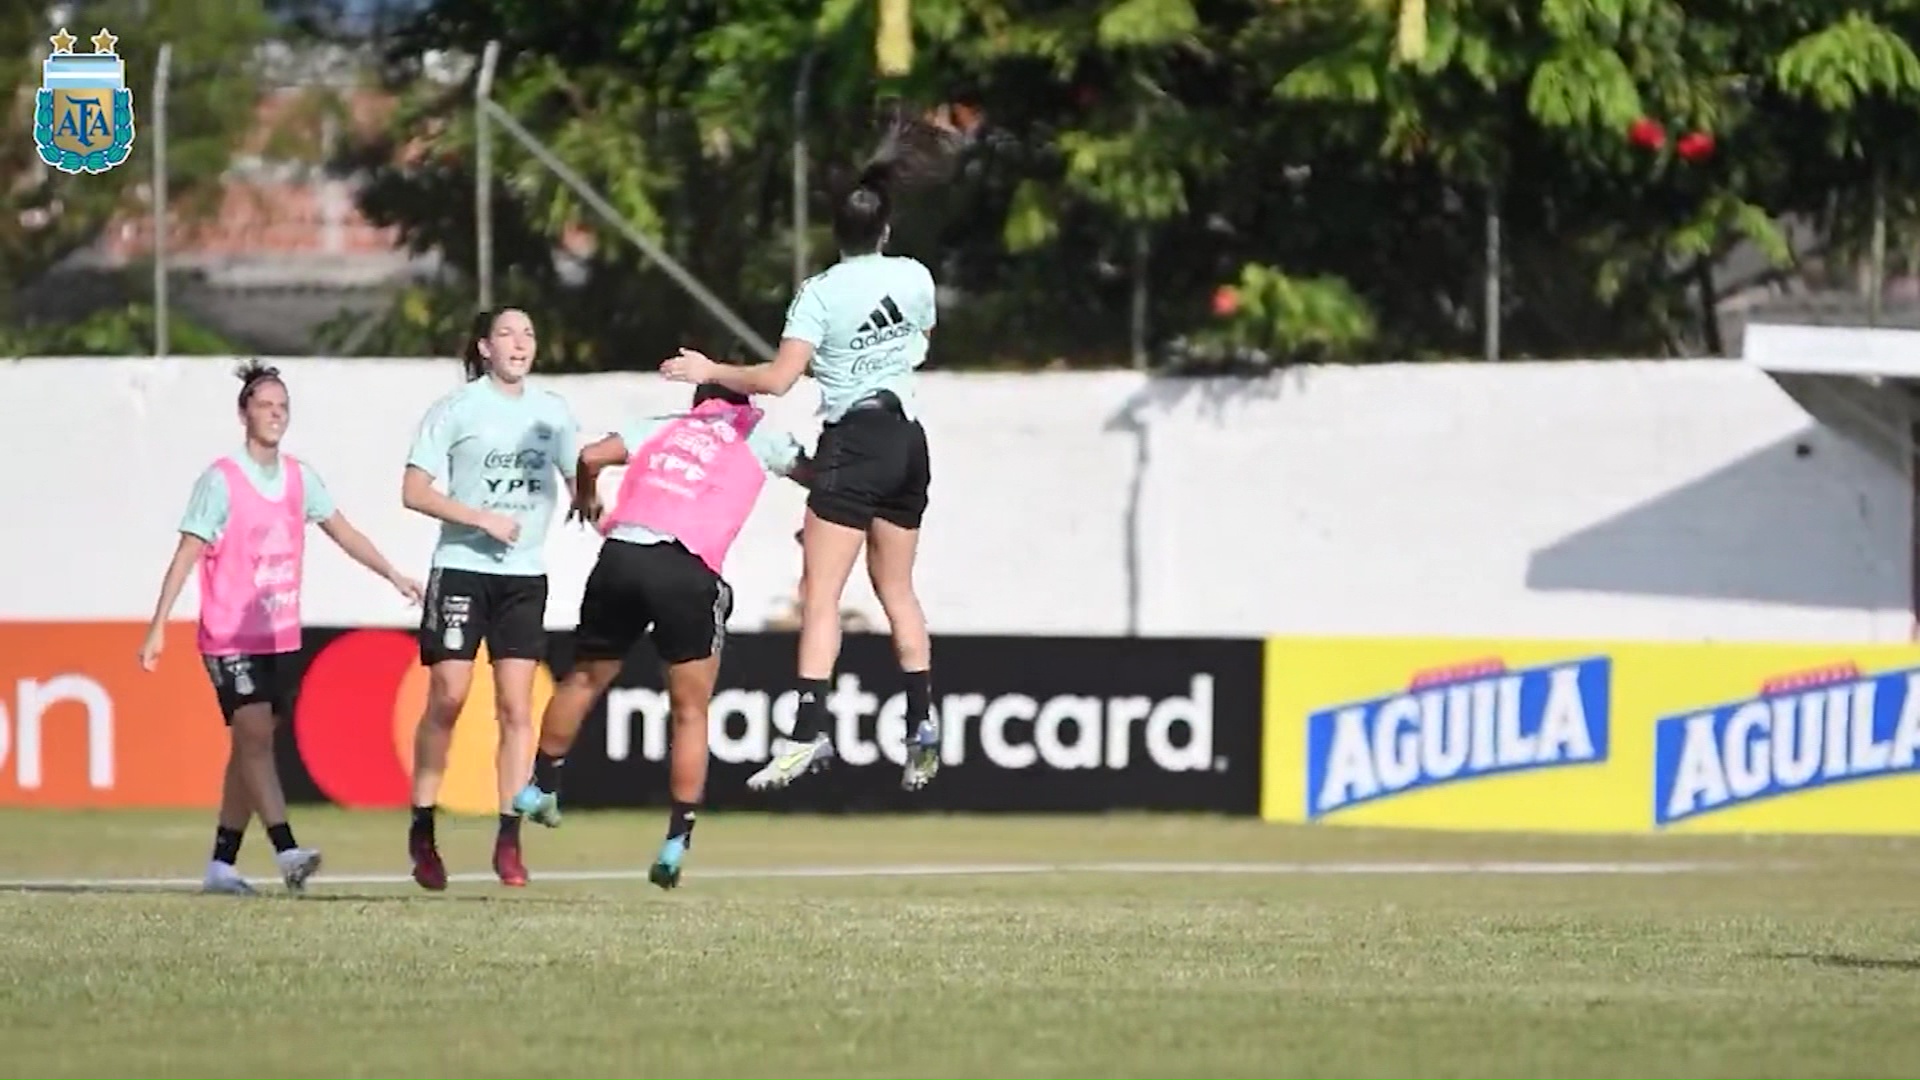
1325 954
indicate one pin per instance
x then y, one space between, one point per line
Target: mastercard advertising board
83 726
1584 736
1031 724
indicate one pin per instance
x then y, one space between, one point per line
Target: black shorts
662 588
465 607
872 463
252 679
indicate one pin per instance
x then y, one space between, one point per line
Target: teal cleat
539 806
666 866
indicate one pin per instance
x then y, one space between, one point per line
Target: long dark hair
735 353
252 375
913 150
482 328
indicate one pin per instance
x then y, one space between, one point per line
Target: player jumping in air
246 528
861 328
498 444
690 483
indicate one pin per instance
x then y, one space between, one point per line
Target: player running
496 443
245 526
691 481
861 328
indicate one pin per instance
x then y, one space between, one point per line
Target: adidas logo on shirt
884 324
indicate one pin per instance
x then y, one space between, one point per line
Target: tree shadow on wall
1213 398
1730 535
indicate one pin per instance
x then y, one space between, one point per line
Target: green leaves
1287 318
1583 85
1031 220
1848 60
1147 24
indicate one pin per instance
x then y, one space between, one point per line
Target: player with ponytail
244 529
497 446
861 328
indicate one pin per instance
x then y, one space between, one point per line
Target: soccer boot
666 866
792 760
542 807
923 756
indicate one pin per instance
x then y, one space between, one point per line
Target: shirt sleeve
206 515
317 501
434 440
807 315
777 450
920 299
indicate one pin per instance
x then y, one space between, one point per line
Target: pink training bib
250 577
696 480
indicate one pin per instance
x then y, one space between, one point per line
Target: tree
1335 160
46 215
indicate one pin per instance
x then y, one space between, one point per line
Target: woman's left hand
691 366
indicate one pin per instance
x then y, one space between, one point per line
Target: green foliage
45 215
1229 138
1287 318
123 331
1853 58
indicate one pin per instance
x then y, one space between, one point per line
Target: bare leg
828 552
447 685
559 727
689 692
513 706
891 551
253 727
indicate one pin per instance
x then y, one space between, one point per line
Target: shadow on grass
272 894
1848 962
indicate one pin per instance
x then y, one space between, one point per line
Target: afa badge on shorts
83 113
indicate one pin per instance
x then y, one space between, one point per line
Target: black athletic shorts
465 607
662 588
872 463
252 679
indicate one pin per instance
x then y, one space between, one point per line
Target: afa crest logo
83 113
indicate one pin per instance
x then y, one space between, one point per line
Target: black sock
919 696
811 720
422 827
680 823
226 844
546 771
282 837
509 826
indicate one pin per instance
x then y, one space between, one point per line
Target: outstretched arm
361 550
775 377
186 555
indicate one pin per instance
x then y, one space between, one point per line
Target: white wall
1624 499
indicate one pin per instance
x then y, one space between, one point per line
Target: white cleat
296 866
923 756
790 761
223 879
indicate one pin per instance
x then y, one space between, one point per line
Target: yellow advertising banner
1592 736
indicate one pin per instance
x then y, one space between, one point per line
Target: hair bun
252 371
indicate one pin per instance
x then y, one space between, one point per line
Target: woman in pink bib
691 481
245 527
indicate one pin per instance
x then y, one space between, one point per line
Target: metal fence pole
160 74
483 175
1491 316
714 305
802 257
